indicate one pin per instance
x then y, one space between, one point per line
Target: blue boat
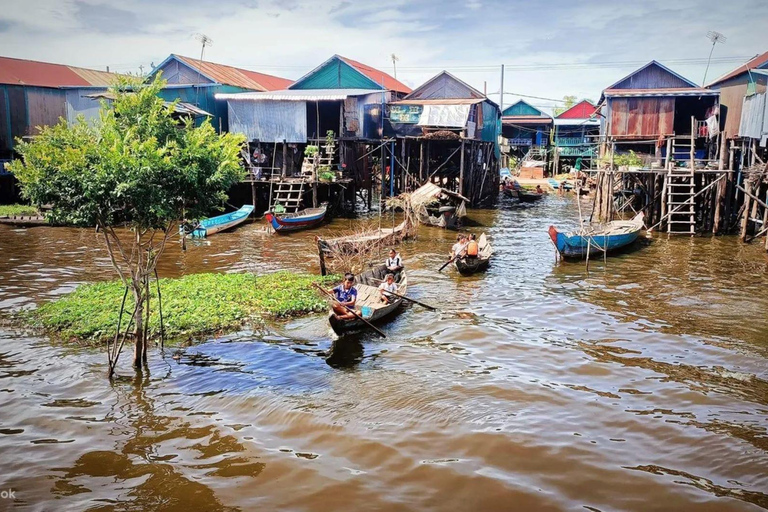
556 184
213 225
304 219
610 237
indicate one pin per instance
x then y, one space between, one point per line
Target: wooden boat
208 227
369 304
436 206
529 197
596 240
468 265
555 184
303 219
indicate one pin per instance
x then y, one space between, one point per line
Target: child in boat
346 295
472 247
539 190
388 285
459 247
394 263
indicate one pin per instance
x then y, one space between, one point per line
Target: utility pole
501 101
394 58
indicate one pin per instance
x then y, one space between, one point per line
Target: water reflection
538 384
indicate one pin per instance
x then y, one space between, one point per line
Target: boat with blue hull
213 225
597 240
289 222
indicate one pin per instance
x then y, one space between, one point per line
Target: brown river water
639 385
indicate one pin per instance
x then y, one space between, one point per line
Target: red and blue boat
297 221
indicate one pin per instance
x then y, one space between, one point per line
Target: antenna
715 37
204 40
394 58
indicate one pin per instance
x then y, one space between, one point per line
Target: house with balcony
576 136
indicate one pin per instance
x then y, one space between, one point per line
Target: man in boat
386 287
472 247
539 190
459 247
346 295
394 262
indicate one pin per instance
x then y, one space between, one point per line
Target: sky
549 49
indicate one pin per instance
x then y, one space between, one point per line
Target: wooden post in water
461 169
745 213
321 254
721 187
284 170
421 161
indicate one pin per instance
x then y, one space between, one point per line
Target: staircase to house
680 190
288 194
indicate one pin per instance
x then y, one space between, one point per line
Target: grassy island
193 305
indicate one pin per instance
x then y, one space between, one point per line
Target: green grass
192 305
9 210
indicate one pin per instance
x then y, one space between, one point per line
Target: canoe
529 197
596 240
510 192
468 266
555 184
369 304
208 227
304 219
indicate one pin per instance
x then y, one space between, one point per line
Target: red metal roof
753 63
378 76
229 75
582 110
41 74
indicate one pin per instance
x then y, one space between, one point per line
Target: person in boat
394 262
346 295
539 190
472 247
459 247
386 287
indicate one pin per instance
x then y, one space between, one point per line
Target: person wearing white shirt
387 286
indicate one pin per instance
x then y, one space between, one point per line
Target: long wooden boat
529 197
596 240
303 219
369 304
469 265
555 184
208 227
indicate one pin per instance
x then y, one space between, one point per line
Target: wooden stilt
461 168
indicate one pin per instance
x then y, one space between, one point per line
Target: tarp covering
448 116
269 121
752 116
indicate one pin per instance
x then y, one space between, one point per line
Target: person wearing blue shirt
346 295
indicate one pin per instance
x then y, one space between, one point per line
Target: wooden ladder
680 189
288 194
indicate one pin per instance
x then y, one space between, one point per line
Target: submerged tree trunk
140 345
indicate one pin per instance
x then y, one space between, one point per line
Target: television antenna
715 37
395 59
204 40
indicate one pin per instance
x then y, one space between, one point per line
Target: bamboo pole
720 188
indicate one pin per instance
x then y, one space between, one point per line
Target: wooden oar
446 264
350 309
432 308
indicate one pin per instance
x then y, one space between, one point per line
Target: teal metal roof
521 108
335 74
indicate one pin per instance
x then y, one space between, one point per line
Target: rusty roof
669 91
46 74
378 76
755 62
238 77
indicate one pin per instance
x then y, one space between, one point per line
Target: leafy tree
135 174
568 102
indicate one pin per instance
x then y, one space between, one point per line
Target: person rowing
346 295
459 247
386 287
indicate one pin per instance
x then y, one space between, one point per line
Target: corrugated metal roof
582 110
526 120
429 191
672 91
437 101
755 62
573 121
298 95
659 65
46 74
378 76
229 75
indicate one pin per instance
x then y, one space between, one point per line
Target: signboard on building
406 114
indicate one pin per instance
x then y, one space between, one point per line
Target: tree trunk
140 346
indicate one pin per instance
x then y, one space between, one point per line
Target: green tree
568 102
135 174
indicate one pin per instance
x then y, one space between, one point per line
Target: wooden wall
652 77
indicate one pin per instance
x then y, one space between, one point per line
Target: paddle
446 264
351 310
432 308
